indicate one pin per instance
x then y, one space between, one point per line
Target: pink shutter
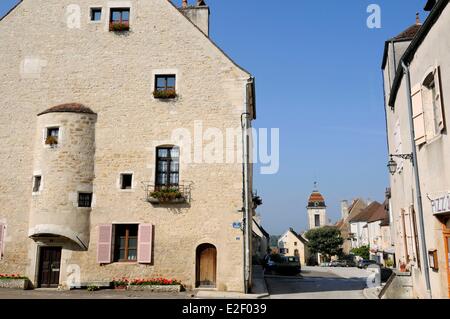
145 238
2 233
104 244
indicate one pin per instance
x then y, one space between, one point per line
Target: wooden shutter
2 233
418 116
104 244
438 100
145 238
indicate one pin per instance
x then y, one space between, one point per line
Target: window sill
36 193
131 190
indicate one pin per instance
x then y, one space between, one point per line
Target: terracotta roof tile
366 213
408 34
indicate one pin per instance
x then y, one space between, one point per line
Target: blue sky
317 67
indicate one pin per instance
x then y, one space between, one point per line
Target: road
319 283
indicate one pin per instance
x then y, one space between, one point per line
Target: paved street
83 294
319 283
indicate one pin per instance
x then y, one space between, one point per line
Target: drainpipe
417 181
248 214
245 219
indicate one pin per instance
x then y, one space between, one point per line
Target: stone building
111 116
416 71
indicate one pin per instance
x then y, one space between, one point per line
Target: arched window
167 166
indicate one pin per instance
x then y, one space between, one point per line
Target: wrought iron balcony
170 194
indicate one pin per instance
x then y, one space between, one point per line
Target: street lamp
392 165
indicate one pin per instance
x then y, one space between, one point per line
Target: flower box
119 26
52 141
156 288
164 94
14 282
167 196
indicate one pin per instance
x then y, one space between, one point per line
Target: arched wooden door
206 264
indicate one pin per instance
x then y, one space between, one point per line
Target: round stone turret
63 173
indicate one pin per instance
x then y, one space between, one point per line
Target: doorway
447 255
49 267
206 263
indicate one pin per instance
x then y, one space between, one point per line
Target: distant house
260 241
377 242
359 225
357 206
294 244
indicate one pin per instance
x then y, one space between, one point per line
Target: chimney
418 18
344 209
198 14
430 5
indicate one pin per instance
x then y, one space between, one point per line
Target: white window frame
102 18
35 174
157 72
119 181
60 135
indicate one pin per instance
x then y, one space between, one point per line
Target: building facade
122 177
416 71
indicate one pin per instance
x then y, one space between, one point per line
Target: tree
363 252
326 241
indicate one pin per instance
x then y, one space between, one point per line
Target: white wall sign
441 204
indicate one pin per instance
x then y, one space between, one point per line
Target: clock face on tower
316 204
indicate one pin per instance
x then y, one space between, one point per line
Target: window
125 243
120 19
126 181
165 83
295 243
317 220
37 183
84 199
52 136
96 14
432 104
167 166
165 87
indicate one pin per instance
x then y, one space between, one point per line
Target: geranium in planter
167 195
120 284
119 26
156 285
51 140
164 94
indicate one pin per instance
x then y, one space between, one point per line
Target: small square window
37 183
165 86
126 181
84 199
96 14
52 136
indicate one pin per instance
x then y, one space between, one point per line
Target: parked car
364 263
282 264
